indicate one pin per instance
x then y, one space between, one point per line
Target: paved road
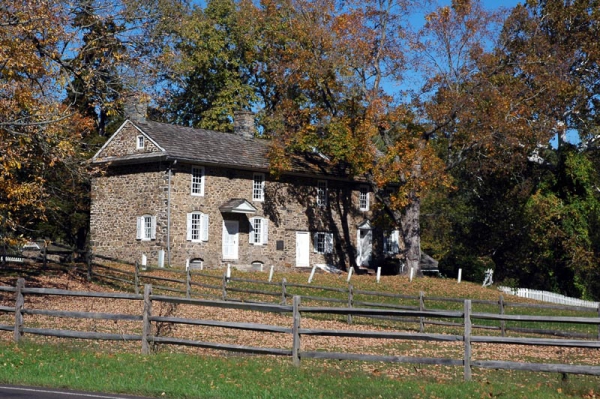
18 392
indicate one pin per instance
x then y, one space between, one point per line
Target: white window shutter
395 241
385 242
328 243
153 231
265 230
315 242
140 221
251 231
189 227
204 226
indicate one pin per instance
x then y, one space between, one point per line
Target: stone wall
126 192
125 143
117 199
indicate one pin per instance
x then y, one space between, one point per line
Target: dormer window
140 142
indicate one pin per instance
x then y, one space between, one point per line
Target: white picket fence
548 297
11 258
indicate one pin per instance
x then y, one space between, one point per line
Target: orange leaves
37 132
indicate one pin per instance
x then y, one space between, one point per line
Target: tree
50 47
97 86
37 131
314 71
212 79
532 202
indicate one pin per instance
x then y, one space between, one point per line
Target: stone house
207 197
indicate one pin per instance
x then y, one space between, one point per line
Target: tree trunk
411 232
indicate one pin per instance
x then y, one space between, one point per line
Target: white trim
137 142
302 249
243 208
202 180
367 199
263 231
322 202
141 228
119 131
391 238
202 227
327 242
226 237
262 189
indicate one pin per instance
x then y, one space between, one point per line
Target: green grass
188 376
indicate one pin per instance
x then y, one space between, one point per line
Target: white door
231 230
365 247
302 249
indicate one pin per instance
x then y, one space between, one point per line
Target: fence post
296 332
283 291
45 264
225 285
421 309
350 301
188 283
467 339
90 258
147 327
136 279
19 303
599 321
502 322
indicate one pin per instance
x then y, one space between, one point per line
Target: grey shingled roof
207 146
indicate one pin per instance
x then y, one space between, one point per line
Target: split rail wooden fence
147 336
194 284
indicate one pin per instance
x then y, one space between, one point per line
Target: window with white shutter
197 227
391 242
146 228
323 243
204 227
259 231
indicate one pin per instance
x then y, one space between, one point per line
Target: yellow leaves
38 131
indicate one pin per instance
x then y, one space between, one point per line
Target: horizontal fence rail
200 284
546 296
150 333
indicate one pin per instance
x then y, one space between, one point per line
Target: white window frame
258 187
391 242
322 242
259 231
363 198
197 227
146 228
322 193
140 142
197 181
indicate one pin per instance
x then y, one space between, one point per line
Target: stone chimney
135 108
243 124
